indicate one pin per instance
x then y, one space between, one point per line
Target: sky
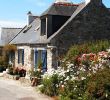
13 13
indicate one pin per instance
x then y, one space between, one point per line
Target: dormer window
43 26
28 27
36 29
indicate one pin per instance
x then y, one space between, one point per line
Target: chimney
30 17
97 2
87 1
62 1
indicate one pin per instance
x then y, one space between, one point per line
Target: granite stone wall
51 57
27 57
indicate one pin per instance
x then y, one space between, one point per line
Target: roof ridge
66 4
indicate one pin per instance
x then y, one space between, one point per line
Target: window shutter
44 60
22 56
18 56
35 58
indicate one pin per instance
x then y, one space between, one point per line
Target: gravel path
12 90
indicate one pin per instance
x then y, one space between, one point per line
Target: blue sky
13 12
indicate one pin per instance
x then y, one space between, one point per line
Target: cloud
11 24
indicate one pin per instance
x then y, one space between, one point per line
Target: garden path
12 90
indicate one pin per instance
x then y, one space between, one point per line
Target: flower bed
72 82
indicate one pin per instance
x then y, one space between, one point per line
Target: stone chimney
62 1
30 17
99 2
87 1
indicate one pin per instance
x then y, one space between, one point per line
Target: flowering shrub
86 48
98 86
17 71
72 82
50 83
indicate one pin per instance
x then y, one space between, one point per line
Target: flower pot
34 81
17 77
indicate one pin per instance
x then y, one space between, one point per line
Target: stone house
6 35
31 47
63 24
31 41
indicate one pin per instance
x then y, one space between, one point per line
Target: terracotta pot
34 81
17 77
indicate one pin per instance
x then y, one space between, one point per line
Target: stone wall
51 57
92 23
27 57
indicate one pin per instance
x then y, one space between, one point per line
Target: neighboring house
63 24
6 35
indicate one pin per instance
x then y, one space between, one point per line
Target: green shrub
94 87
37 73
94 47
98 87
50 85
10 70
73 90
2 68
3 63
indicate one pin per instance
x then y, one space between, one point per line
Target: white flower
40 86
38 69
56 85
62 86
67 78
108 50
73 78
83 78
61 82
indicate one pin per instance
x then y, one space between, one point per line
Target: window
21 56
37 28
12 57
28 27
43 26
41 57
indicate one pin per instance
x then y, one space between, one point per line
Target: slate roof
29 34
76 12
66 9
8 33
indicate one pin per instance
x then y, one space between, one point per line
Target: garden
84 74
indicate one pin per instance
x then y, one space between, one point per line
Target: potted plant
35 77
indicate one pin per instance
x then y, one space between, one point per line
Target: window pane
43 27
